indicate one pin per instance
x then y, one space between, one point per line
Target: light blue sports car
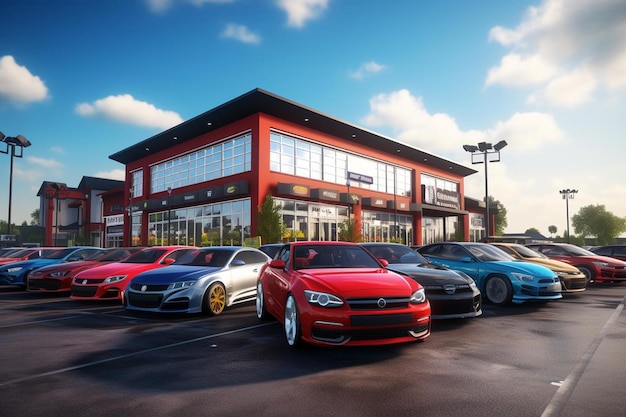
501 278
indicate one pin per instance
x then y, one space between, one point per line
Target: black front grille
378 303
340 335
144 300
44 284
381 320
442 306
149 287
80 291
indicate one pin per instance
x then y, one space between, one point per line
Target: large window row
305 159
226 158
220 224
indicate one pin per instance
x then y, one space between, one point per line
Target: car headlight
418 297
181 285
473 285
522 277
15 269
114 278
57 274
601 264
322 299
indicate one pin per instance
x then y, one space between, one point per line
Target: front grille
442 306
388 303
381 320
149 287
340 335
89 281
144 300
44 284
439 290
574 284
81 291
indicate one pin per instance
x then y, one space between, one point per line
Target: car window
619 250
145 256
604 251
251 257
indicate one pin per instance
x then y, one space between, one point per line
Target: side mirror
383 262
169 261
237 262
277 263
466 259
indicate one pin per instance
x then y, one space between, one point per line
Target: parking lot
62 357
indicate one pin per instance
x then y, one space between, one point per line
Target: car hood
32 263
553 264
519 266
115 268
358 282
174 273
606 259
65 266
429 275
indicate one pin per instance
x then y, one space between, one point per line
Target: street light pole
169 216
12 142
485 149
567 194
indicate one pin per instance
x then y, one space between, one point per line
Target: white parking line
567 387
129 355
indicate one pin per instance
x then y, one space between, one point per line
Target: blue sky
84 79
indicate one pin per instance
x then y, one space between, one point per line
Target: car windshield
60 254
396 254
528 252
97 254
207 257
333 256
119 254
19 253
488 253
145 256
578 251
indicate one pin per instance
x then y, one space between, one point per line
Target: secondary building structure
201 182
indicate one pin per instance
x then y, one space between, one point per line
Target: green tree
349 231
270 222
552 230
34 217
4 230
532 231
499 215
596 221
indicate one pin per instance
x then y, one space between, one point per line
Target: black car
270 249
452 294
613 251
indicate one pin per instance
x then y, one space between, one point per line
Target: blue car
501 278
15 273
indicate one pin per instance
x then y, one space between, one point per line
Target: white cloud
411 123
301 11
240 33
565 37
45 163
517 70
57 150
18 85
126 109
367 68
115 174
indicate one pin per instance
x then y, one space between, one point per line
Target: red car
337 293
595 267
26 254
108 282
58 278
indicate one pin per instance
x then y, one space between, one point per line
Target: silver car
206 280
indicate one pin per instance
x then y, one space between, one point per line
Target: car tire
498 290
293 332
589 274
261 309
215 299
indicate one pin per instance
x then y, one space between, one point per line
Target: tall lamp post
11 143
169 216
567 196
481 154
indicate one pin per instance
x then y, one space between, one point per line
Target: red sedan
337 293
108 282
26 254
58 277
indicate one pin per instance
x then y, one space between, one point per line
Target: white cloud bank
126 109
569 50
17 85
299 12
240 33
